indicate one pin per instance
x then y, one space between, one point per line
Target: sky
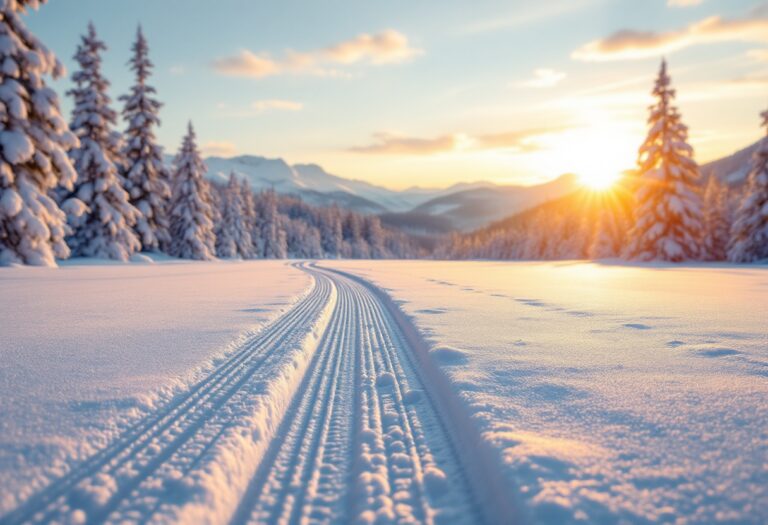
435 92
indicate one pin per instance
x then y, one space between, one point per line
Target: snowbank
608 392
88 348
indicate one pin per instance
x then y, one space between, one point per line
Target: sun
599 179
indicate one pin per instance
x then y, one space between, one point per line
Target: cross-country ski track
331 414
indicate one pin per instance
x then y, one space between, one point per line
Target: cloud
759 55
219 149
521 141
176 70
684 3
543 78
386 143
260 106
632 44
528 15
385 47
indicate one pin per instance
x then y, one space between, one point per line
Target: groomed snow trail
323 417
363 441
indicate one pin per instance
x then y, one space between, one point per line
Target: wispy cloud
633 44
386 47
219 149
759 55
543 78
520 141
387 143
261 106
684 3
529 15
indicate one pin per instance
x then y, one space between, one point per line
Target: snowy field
612 392
87 349
266 392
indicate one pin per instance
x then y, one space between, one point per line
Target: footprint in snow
637 326
718 352
675 343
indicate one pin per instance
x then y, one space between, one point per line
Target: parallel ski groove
49 504
358 438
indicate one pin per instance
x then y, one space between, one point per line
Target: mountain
463 206
733 169
475 207
318 187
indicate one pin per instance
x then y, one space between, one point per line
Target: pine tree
235 239
34 140
146 175
273 238
749 235
250 216
106 227
331 233
717 222
191 212
668 224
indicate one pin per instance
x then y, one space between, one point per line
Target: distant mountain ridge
426 211
462 206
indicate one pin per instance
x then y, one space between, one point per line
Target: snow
91 347
607 392
541 392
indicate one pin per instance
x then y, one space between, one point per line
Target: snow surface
90 347
610 393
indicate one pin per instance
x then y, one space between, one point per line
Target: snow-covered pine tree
331 232
190 211
668 223
250 215
374 235
717 222
273 238
235 238
749 235
146 175
105 229
34 140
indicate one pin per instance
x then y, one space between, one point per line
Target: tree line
85 189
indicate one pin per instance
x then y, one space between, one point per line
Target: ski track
357 437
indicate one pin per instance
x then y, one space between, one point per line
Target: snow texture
609 394
118 342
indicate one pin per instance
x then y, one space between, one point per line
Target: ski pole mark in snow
325 416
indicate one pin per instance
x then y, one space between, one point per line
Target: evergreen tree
273 238
250 215
717 223
331 232
191 212
235 238
749 235
374 235
34 140
105 229
146 176
668 224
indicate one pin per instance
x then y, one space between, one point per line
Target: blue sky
431 93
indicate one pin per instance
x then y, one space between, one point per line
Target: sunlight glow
599 179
